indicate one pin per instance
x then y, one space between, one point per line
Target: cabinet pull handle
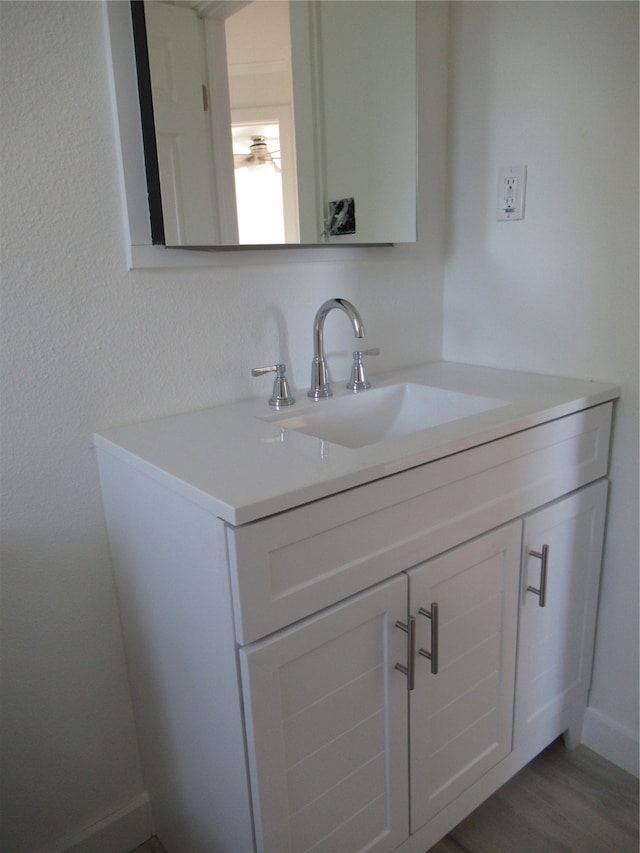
543 556
433 654
409 670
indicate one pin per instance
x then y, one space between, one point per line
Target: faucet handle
281 395
358 381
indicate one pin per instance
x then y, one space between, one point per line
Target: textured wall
87 344
555 86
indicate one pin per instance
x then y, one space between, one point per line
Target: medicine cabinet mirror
275 122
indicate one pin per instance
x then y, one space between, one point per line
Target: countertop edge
250 511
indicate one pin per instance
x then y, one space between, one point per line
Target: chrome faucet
320 386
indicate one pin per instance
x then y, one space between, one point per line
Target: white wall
555 86
87 344
259 55
368 116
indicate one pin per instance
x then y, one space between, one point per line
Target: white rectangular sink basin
378 414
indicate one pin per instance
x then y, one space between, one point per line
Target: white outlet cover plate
512 182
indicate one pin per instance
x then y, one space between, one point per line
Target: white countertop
242 468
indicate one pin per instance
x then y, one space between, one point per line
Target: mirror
278 123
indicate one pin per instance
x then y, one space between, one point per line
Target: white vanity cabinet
295 688
327 728
462 701
558 604
327 703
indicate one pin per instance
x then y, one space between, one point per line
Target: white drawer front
290 565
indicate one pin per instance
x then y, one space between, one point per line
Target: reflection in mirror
270 123
259 191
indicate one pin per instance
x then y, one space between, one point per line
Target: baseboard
615 742
120 832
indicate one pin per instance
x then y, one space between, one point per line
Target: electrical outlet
512 181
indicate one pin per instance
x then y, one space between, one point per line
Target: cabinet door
555 645
327 728
461 715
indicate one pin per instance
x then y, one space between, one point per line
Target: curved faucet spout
320 386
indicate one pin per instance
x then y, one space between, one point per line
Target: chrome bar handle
410 669
543 556
433 654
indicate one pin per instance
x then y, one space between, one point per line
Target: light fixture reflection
259 196
259 156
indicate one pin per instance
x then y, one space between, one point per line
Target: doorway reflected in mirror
258 177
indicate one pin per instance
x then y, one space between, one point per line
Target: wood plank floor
563 802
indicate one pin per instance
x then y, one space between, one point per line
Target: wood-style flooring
563 802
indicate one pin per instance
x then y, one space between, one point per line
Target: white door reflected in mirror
182 134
